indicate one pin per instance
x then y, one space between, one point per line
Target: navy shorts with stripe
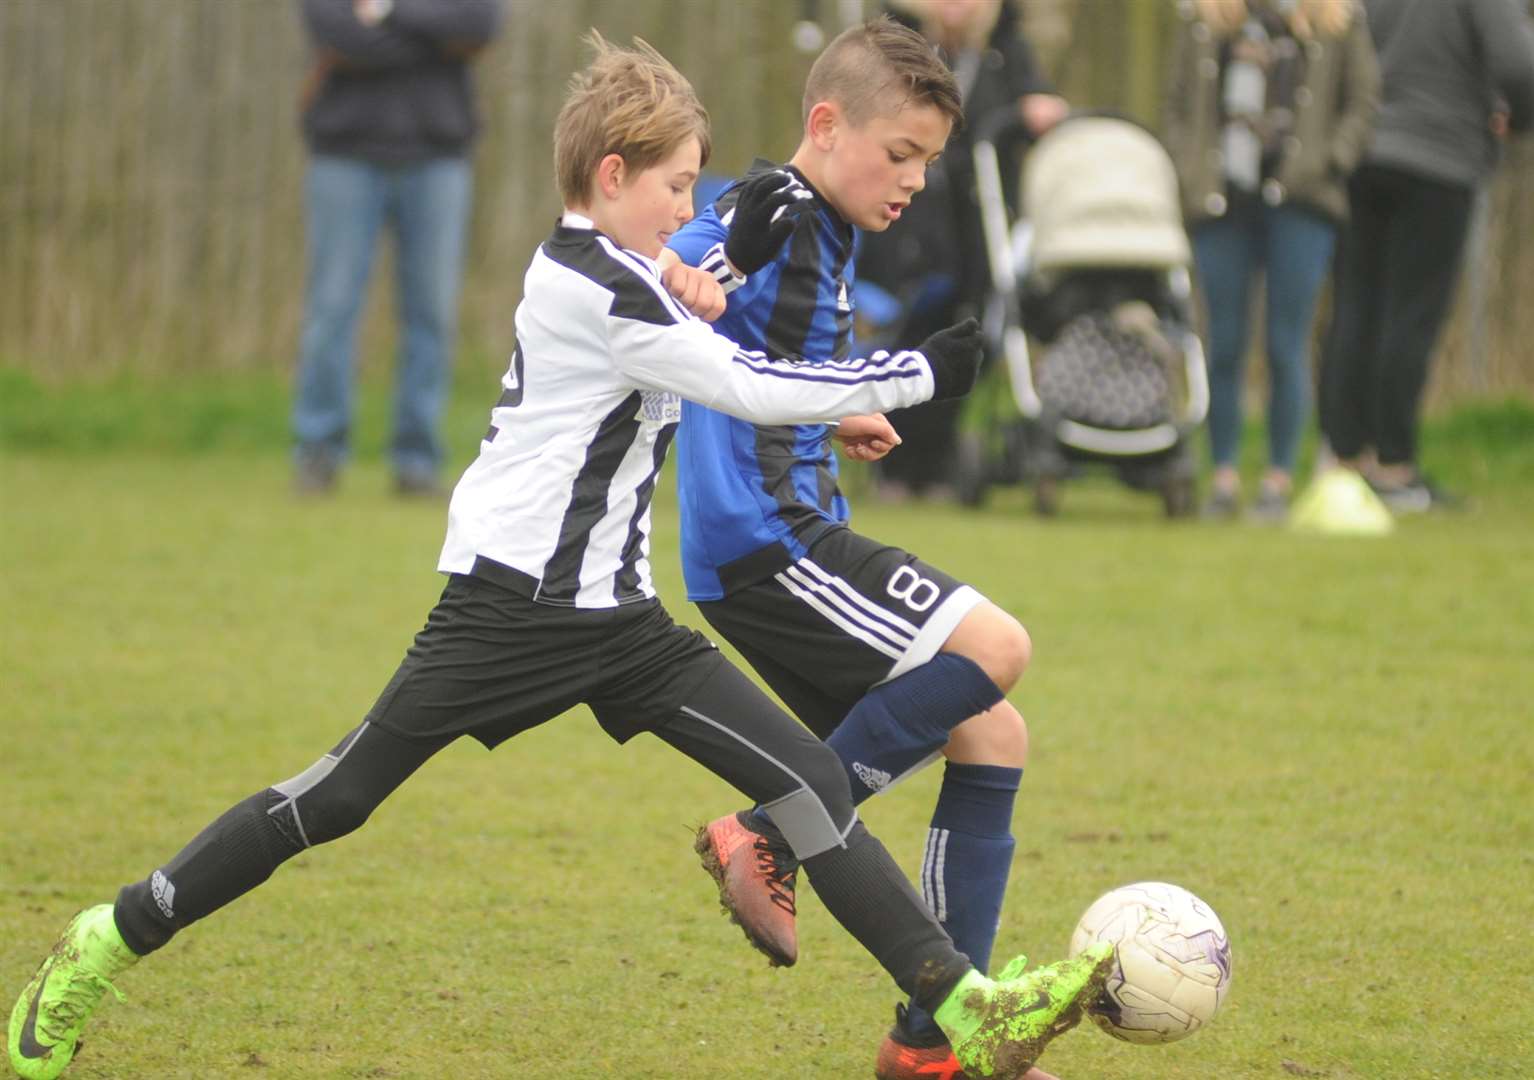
850 614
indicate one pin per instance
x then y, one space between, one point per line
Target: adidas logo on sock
164 894
875 779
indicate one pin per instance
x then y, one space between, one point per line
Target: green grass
1328 740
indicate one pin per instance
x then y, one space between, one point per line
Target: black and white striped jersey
562 486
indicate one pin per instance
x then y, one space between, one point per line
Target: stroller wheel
970 472
1177 495
1046 496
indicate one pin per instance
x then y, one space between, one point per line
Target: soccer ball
1172 962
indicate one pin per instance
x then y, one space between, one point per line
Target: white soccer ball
1172 964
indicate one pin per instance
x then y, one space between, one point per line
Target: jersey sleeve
700 243
660 346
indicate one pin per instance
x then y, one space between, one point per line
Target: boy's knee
814 817
994 640
998 736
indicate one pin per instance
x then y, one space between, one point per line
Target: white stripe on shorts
836 592
940 624
905 626
813 594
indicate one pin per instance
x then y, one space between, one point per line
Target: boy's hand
866 438
695 289
763 218
954 355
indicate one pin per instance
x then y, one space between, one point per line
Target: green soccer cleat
998 1028
52 1010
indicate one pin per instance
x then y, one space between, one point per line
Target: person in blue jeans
389 117
1268 112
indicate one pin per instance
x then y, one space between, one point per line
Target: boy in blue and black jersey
887 658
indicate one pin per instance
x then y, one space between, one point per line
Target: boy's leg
998 1028
488 663
851 614
233 855
246 844
730 727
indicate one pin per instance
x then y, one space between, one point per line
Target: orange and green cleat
756 884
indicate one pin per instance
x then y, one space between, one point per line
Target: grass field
1328 740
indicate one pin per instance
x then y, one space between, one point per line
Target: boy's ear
610 175
823 124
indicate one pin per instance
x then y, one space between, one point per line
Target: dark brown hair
879 67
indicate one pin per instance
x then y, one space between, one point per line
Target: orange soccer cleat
756 884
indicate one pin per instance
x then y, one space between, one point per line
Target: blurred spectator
388 113
1458 76
933 260
1268 111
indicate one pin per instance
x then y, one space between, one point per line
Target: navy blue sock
899 724
968 859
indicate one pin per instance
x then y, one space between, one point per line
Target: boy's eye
898 158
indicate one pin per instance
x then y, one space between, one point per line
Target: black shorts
491 663
850 614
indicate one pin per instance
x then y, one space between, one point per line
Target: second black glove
954 355
763 218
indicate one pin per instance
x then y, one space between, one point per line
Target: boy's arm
659 347
749 236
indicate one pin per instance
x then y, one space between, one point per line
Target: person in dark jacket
389 117
934 259
1458 77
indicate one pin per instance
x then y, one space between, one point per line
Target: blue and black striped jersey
754 496
561 489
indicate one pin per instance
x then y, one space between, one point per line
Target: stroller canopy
1102 191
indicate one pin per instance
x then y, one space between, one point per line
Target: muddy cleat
52 1010
756 884
999 1028
905 1055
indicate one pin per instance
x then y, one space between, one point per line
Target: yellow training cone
1339 502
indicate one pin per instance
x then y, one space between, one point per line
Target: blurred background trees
151 169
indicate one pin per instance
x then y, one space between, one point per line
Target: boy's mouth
892 210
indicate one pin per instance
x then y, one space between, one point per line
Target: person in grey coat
1267 113
1458 77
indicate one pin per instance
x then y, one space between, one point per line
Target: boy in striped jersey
889 659
550 603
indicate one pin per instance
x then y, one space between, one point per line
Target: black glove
765 214
954 355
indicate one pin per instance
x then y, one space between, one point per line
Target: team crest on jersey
843 302
660 407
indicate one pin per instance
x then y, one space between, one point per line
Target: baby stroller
1096 274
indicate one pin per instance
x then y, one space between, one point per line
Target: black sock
864 889
226 860
250 840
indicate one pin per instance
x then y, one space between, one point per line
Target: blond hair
1306 18
879 67
629 102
